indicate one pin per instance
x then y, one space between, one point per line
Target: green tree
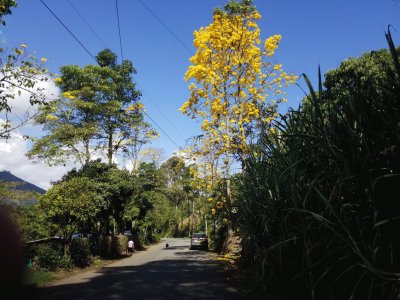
321 189
71 205
117 118
95 113
160 216
32 222
116 188
5 9
141 133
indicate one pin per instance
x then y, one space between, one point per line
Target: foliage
9 192
5 9
159 217
51 258
317 214
39 277
80 252
232 80
31 222
113 187
235 90
113 246
141 133
96 111
19 72
71 204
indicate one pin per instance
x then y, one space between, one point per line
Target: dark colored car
199 241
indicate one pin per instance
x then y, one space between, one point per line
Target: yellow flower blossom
229 75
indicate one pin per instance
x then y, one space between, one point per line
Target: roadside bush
80 252
139 241
51 257
105 247
320 216
112 247
120 243
94 245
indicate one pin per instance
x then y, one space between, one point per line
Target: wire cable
119 31
159 109
155 123
166 27
80 43
162 113
88 25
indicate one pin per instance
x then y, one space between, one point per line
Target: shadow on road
185 278
175 247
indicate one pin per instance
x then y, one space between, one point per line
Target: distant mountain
21 185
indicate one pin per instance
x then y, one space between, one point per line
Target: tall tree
117 118
94 113
235 89
140 134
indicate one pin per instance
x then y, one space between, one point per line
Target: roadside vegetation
301 204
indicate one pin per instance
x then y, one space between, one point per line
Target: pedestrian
130 247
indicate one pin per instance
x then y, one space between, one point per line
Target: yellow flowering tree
235 88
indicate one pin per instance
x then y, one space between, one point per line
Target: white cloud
13 150
13 159
187 157
21 108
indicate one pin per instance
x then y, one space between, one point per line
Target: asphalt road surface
156 273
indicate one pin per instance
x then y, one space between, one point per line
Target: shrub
80 252
51 257
113 246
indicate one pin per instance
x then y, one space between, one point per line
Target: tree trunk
110 146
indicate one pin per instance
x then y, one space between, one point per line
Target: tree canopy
96 112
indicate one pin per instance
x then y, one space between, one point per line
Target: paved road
157 273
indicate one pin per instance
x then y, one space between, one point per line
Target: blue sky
314 32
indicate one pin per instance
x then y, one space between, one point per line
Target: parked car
199 241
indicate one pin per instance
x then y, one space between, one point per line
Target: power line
119 31
161 129
166 27
88 25
120 42
80 43
161 112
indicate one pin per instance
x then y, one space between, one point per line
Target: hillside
21 185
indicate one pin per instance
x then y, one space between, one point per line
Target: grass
41 277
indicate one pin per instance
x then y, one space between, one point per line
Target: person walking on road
130 247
